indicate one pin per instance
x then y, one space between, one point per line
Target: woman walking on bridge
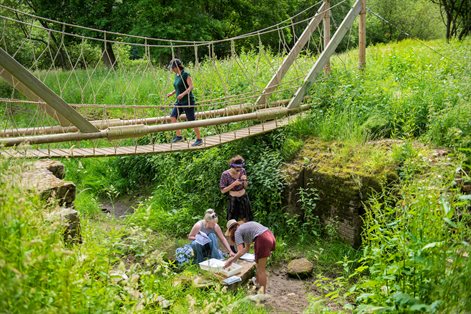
183 85
234 182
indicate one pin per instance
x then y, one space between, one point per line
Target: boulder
300 268
45 178
68 219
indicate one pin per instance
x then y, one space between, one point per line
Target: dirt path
287 295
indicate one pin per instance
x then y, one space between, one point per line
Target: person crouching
264 243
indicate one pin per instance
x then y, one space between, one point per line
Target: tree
106 15
456 14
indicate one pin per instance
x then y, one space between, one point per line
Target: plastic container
217 266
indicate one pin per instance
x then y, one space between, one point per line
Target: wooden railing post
289 59
362 36
325 55
326 24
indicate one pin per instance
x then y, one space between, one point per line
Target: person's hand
179 97
169 95
236 183
243 177
228 262
232 254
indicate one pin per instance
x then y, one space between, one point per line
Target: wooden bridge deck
208 142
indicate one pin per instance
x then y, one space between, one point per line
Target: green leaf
449 211
451 223
420 308
433 244
465 197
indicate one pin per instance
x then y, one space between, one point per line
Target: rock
69 219
343 176
44 177
300 268
54 166
41 178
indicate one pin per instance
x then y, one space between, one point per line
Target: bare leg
262 274
197 132
177 132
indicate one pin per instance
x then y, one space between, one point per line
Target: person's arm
194 231
241 250
189 83
223 239
223 187
231 186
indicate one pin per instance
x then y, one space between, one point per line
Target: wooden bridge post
326 53
289 59
326 24
362 36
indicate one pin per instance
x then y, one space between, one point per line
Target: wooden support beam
38 88
326 24
141 130
325 55
289 59
104 124
10 79
362 36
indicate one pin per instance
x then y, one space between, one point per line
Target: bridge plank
208 142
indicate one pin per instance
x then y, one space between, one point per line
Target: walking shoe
198 142
177 139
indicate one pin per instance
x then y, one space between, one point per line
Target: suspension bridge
64 102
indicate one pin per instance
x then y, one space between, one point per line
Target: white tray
217 266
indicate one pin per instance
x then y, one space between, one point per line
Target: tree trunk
448 27
108 56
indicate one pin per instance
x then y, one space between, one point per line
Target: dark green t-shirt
180 86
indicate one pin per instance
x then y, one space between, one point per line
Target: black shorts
179 109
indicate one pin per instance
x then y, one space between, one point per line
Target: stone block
40 179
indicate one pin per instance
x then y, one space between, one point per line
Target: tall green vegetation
416 242
119 267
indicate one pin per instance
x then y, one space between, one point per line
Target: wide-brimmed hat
229 225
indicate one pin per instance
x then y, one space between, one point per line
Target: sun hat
229 225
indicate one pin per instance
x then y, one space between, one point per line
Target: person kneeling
204 236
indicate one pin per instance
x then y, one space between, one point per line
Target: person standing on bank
264 243
208 230
185 103
234 182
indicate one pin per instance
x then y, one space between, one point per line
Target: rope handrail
171 42
153 38
201 103
171 45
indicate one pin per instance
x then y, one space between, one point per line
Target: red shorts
264 245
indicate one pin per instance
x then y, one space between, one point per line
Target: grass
119 267
417 232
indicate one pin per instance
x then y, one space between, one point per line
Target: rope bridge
74 91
